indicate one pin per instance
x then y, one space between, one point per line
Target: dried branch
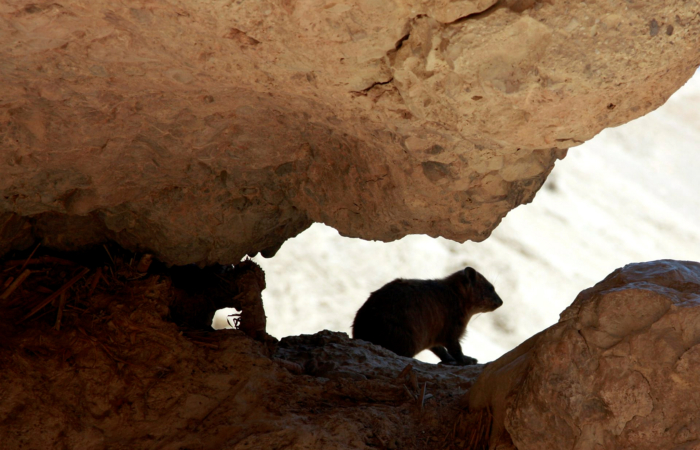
15 284
59 315
55 295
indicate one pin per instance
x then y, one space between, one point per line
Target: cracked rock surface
206 131
620 369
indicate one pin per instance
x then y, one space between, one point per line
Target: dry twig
30 257
55 295
109 254
405 371
94 281
479 435
59 315
15 284
408 391
421 399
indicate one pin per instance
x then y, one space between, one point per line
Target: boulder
619 370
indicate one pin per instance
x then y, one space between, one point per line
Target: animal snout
497 302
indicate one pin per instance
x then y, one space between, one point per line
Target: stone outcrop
206 131
106 366
116 372
619 370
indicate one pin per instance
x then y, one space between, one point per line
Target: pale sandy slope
631 194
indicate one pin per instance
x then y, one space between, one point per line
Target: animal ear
470 274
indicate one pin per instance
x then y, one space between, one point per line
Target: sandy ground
628 195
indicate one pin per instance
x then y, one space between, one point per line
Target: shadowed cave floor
90 358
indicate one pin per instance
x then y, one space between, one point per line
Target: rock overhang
203 133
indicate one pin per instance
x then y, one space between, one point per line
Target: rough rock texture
205 131
619 371
119 376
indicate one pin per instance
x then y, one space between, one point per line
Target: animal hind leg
445 357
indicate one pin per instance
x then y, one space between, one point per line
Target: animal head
484 296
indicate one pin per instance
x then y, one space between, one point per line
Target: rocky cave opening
147 146
101 346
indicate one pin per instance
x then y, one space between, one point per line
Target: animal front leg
456 352
441 352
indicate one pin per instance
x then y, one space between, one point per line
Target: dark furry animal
407 316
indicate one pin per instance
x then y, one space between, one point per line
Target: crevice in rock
478 15
517 6
375 84
569 140
400 42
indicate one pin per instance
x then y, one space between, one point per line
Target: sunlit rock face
205 131
620 369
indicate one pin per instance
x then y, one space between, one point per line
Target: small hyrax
408 316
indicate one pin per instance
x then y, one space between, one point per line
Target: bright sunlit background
629 195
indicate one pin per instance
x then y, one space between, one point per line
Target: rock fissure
373 85
478 14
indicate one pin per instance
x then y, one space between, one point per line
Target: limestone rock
111 366
620 369
205 131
